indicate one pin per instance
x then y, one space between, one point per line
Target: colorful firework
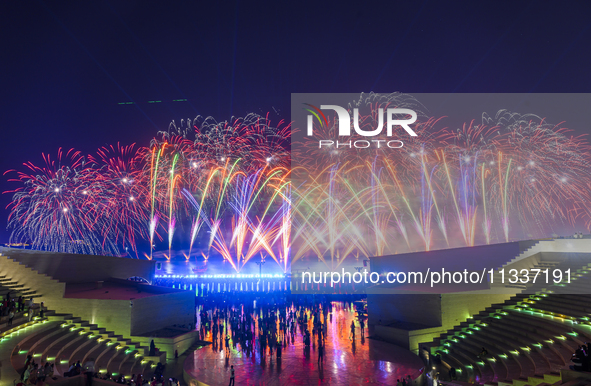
227 184
108 202
511 177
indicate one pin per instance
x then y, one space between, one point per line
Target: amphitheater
90 311
530 335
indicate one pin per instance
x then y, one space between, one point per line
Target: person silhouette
231 376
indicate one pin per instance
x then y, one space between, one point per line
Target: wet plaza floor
361 361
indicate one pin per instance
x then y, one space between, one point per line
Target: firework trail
105 203
476 182
506 177
61 206
195 227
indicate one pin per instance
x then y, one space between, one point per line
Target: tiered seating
546 380
527 338
542 266
65 339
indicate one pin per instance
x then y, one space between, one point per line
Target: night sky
66 65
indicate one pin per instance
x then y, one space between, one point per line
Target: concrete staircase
546 380
16 289
65 339
530 339
22 280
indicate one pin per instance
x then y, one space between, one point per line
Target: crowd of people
139 380
267 326
247 322
10 307
238 322
36 373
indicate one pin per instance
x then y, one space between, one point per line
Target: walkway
346 362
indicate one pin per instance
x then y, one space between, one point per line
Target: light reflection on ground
346 362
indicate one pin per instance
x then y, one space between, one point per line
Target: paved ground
346 362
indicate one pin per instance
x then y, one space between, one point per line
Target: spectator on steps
48 370
33 377
89 371
581 361
28 362
452 374
71 371
41 374
26 374
483 353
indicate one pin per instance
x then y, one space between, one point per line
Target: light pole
261 268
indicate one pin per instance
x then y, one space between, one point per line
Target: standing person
352 330
10 317
30 310
89 371
231 376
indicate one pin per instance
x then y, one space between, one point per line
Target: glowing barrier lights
16 330
224 276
